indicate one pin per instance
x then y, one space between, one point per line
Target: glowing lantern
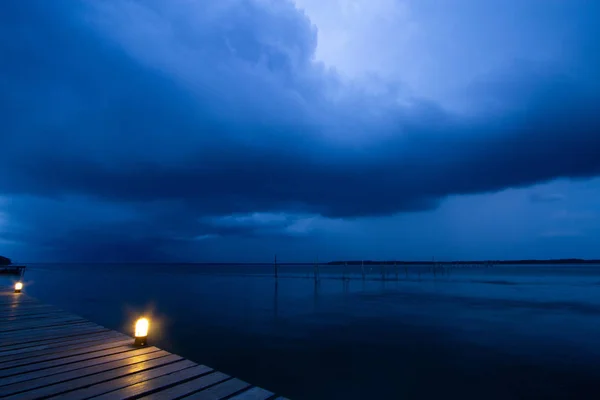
18 287
141 331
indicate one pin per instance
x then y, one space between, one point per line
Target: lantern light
18 287
141 331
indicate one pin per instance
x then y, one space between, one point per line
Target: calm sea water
474 333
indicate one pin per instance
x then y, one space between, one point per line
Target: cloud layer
178 113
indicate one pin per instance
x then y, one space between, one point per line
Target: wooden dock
46 353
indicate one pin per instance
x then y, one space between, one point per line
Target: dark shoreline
561 261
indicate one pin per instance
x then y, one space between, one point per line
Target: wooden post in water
317 269
382 271
362 269
276 267
344 272
396 268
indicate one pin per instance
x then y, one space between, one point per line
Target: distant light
141 331
18 287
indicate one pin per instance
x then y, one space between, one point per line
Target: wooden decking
47 353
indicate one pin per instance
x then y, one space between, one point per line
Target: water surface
471 333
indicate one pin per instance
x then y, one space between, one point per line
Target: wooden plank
74 343
37 322
33 327
9 291
255 393
80 329
23 307
7 306
65 360
38 311
159 357
12 297
25 317
26 333
11 302
128 380
8 295
221 390
45 341
53 332
21 304
17 361
80 369
39 334
11 319
71 378
84 333
152 385
16 300
188 387
55 389
53 342
41 323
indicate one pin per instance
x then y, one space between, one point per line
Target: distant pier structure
404 270
13 270
373 270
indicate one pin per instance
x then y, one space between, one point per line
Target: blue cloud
225 112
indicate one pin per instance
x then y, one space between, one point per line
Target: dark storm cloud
229 115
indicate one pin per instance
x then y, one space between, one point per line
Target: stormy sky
231 130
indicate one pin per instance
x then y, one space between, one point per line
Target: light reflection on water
497 332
